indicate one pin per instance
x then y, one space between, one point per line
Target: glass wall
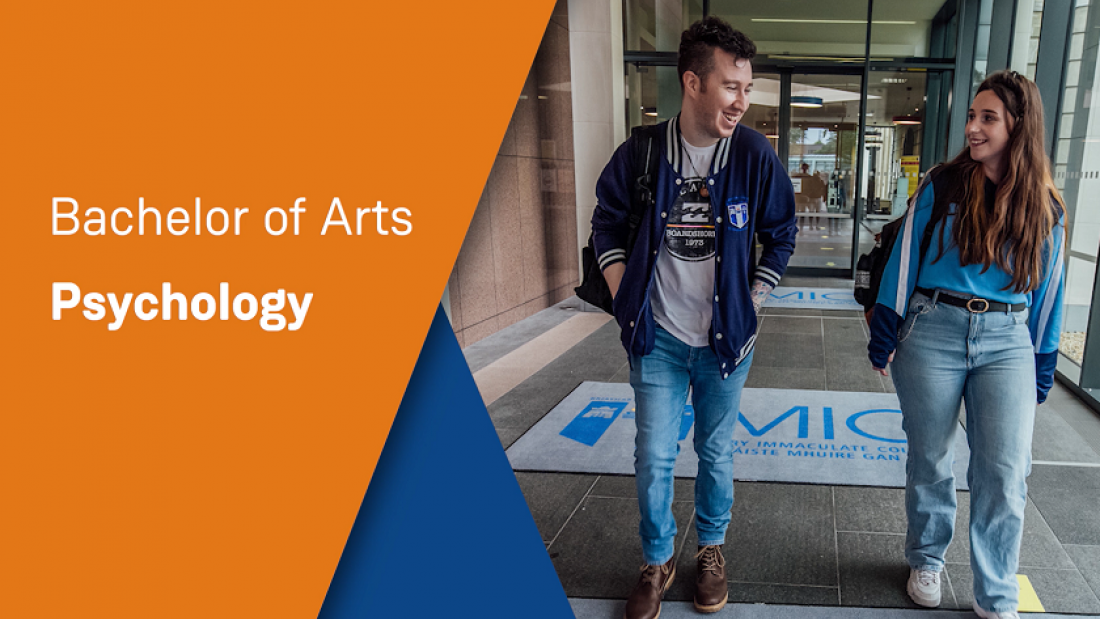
800 30
1077 175
1033 41
896 114
655 25
913 29
912 87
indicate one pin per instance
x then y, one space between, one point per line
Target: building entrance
853 162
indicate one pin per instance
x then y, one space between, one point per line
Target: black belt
975 305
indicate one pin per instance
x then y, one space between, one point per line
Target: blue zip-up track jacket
752 197
905 271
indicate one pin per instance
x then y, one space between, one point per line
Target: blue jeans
661 380
947 355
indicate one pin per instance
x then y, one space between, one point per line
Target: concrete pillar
596 63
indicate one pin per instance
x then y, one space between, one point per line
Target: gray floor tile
785 378
1068 496
950 599
1066 477
791 350
528 402
1056 440
1039 547
873 571
508 436
804 281
613 609
962 584
1087 561
789 311
1071 513
551 497
597 357
1082 418
843 313
844 332
625 487
778 534
845 346
846 365
875 510
598 553
789 324
781 547
1060 591
852 373
622 375
756 593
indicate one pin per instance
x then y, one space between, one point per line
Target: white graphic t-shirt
683 296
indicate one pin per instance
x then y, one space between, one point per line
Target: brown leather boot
711 588
645 600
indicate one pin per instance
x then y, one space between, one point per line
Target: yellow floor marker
1029 600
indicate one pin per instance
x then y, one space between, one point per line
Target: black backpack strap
646 157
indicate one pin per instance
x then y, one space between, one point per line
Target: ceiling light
809 102
907 120
769 20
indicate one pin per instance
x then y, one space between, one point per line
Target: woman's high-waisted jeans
661 380
947 355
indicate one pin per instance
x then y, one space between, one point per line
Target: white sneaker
988 614
924 587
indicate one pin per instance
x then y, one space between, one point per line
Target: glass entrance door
822 149
812 119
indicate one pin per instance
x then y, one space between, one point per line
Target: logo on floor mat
590 424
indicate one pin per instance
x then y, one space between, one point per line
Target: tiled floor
791 543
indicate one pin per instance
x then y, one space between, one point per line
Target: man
687 297
811 198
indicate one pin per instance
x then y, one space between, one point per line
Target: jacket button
726 375
678 181
664 214
718 258
715 298
717 336
719 220
654 252
723 366
631 323
711 181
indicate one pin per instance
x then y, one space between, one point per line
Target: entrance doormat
812 298
783 435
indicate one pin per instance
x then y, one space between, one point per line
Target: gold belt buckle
984 309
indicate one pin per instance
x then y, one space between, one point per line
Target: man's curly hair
698 42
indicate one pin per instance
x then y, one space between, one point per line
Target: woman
975 318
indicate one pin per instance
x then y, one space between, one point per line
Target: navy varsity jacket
752 197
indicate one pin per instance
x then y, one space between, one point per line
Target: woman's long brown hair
1013 234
